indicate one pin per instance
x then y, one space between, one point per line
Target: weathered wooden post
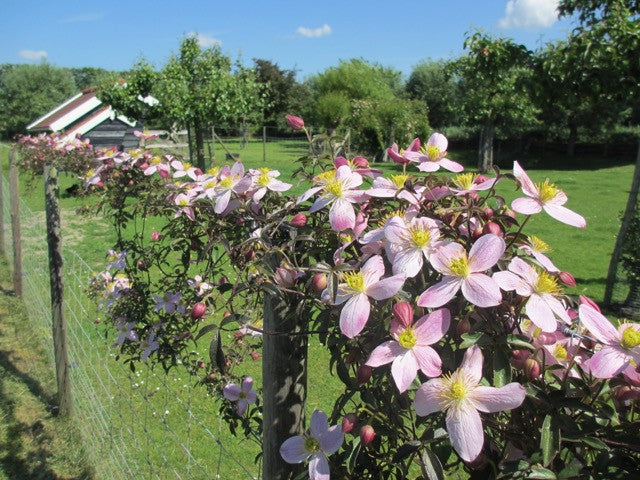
58 325
14 198
3 250
264 144
284 377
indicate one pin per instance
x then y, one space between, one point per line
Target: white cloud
205 41
314 32
529 14
84 17
33 54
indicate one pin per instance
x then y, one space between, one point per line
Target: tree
610 29
433 83
29 91
89 77
495 78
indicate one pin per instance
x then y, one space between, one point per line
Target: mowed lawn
598 193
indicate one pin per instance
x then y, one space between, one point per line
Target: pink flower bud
349 422
403 314
519 357
155 236
201 364
296 123
367 434
511 217
360 162
480 179
572 313
531 369
463 326
567 279
364 374
318 282
285 277
141 264
492 227
587 301
198 310
624 393
546 338
255 355
487 213
299 220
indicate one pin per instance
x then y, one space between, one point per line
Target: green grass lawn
599 194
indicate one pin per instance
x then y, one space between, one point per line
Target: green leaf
206 329
431 466
501 368
541 473
595 443
549 440
572 471
405 450
470 339
216 355
520 342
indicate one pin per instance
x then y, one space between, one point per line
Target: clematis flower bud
403 314
463 326
364 374
349 422
299 220
296 123
532 369
155 236
519 357
367 434
587 301
198 310
360 162
567 279
285 277
318 282
492 227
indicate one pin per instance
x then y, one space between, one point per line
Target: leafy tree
433 83
495 78
29 91
87 77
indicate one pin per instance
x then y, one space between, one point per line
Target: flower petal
432 327
241 406
540 313
247 384
332 439
428 397
232 392
320 203
440 293
528 187
472 363
598 325
441 258
372 270
465 431
354 315
451 165
485 252
342 215
526 206
491 399
408 262
292 450
428 360
318 465
564 215
318 424
404 370
608 362
481 290
385 353
386 288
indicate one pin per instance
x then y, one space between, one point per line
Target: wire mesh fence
146 424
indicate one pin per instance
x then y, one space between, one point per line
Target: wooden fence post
264 144
15 223
58 325
3 250
284 384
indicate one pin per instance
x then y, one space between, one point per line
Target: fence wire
146 424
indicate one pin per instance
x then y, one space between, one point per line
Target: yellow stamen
457 391
242 394
459 267
431 151
311 444
155 160
226 182
399 180
547 284
355 281
264 179
213 171
408 339
630 338
547 191
536 332
397 213
334 188
186 166
420 238
210 184
183 202
325 177
560 352
538 245
464 181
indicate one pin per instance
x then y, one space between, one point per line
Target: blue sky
303 35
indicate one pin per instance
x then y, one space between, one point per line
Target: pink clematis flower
462 271
468 183
410 350
359 165
544 196
392 187
339 189
543 306
265 179
462 397
432 156
357 289
156 164
182 169
537 249
230 180
244 395
620 347
409 243
398 156
314 445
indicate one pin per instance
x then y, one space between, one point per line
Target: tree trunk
631 307
284 380
571 141
197 127
485 150
632 202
